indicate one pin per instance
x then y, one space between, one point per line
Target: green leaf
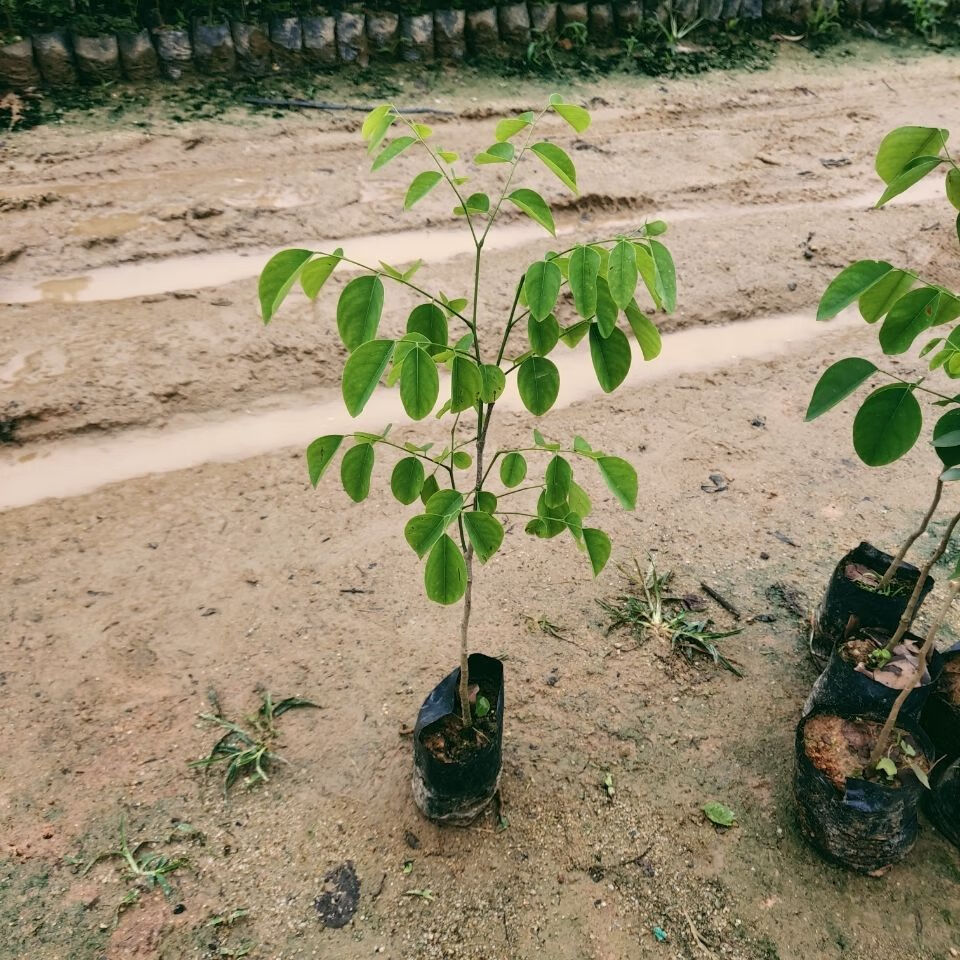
948 308
419 384
666 274
655 228
319 455
607 311
552 518
448 156
425 529
836 383
485 533
647 268
277 277
578 500
947 428
407 478
621 478
598 548
422 184
611 357
719 814
902 146
362 373
445 576
543 334
849 285
577 117
887 425
391 150
402 348
430 487
454 307
539 383
914 173
574 523
391 271
541 285
573 334
534 206
486 502
359 309
429 320
379 130
445 503
911 315
622 273
583 270
465 384
493 382
475 203
316 273
513 469
558 162
541 441
373 120
481 708
462 460
422 131
355 469
497 153
648 336
558 477
510 127
887 766
882 295
953 187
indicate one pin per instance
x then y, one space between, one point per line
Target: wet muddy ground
162 548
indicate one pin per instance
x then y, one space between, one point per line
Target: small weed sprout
823 19
218 926
674 30
246 751
652 613
144 870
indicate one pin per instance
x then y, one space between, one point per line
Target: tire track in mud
213 270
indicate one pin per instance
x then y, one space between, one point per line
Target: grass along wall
172 41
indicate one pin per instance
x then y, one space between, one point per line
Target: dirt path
127 605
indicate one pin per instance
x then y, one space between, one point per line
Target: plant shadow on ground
741 45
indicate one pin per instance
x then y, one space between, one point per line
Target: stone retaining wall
57 59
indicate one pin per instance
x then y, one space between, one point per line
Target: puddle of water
198 271
81 465
217 269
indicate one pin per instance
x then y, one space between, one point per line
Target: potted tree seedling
862 760
871 589
860 778
455 356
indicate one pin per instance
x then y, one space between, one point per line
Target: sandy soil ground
129 608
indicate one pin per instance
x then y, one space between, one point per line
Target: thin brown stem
912 539
465 714
883 740
914 601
